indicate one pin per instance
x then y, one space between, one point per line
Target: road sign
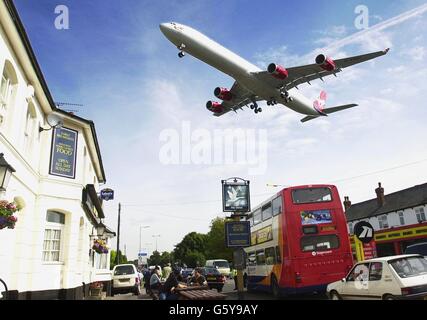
364 231
238 234
107 194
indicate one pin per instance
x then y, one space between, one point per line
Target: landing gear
181 53
255 107
285 95
271 102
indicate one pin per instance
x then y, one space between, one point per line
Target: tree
155 259
113 258
195 259
215 244
166 258
192 242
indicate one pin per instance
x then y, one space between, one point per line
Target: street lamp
156 236
6 171
54 121
140 236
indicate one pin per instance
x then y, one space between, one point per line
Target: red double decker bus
299 241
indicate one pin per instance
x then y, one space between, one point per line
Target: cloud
416 53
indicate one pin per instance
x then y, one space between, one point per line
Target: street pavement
229 291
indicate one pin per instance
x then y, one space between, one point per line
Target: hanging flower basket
7 219
100 246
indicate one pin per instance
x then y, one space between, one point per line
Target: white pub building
51 168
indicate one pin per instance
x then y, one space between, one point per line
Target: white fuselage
212 53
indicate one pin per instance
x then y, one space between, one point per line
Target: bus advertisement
299 242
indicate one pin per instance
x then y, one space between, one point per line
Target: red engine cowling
325 63
223 94
277 71
214 106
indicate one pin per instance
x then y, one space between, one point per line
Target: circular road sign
364 231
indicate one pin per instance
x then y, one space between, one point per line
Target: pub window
8 84
421 216
401 218
55 222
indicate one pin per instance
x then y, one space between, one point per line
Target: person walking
167 271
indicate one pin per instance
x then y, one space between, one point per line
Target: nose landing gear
255 107
181 53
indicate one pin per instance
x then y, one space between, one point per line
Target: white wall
21 264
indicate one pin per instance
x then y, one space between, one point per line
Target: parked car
187 272
126 279
418 248
213 277
387 278
222 265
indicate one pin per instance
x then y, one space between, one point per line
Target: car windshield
211 271
409 267
123 270
222 264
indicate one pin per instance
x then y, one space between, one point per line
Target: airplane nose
164 27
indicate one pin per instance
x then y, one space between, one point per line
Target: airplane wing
307 73
241 98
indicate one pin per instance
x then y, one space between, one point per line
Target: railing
4 294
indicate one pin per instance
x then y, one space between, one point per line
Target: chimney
347 203
380 195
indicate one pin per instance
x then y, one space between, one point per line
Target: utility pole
156 236
118 235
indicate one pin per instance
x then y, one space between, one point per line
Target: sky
165 155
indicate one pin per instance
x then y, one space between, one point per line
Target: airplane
275 85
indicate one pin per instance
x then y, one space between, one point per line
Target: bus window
260 257
257 217
266 212
278 256
277 206
312 195
270 256
251 259
319 243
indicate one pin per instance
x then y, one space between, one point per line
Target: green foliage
215 244
113 258
195 248
155 259
192 242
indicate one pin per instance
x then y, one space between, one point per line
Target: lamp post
6 171
156 236
140 236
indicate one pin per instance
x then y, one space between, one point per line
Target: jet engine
325 63
223 94
214 106
277 71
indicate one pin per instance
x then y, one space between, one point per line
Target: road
228 290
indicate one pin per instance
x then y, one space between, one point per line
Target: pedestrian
172 282
235 278
198 279
155 283
167 271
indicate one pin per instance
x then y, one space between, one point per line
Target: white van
222 265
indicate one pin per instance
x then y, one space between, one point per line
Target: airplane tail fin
319 103
327 111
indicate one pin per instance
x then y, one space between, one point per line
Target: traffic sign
364 231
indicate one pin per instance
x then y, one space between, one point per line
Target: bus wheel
275 290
